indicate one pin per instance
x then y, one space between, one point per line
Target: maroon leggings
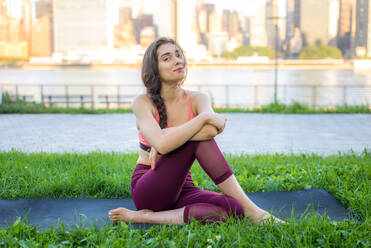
170 186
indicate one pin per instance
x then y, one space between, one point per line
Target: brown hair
151 76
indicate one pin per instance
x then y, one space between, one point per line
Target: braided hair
151 77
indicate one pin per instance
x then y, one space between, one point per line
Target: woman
176 127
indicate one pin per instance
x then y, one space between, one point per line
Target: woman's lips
179 69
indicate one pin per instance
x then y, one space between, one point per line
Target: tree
320 52
248 51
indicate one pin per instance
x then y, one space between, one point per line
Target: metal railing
226 95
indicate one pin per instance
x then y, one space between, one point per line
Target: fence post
81 101
67 95
314 96
16 92
227 95
285 94
211 99
118 96
92 96
255 95
42 94
107 102
344 95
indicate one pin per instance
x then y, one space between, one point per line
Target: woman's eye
166 59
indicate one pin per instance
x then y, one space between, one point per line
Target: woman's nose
178 60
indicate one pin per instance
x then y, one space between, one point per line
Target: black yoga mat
45 213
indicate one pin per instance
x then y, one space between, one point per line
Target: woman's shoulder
143 100
195 96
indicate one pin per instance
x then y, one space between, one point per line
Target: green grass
107 175
20 107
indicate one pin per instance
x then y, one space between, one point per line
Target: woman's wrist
205 117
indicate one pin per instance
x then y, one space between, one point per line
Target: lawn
107 175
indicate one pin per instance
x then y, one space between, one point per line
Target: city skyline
206 29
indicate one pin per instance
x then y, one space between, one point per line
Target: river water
229 86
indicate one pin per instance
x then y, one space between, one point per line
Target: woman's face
171 63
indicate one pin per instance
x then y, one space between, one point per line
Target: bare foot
126 215
262 217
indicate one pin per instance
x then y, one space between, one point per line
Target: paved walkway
245 133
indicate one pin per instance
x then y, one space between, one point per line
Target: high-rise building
166 21
43 42
146 20
124 14
210 8
334 10
323 28
297 11
230 23
43 8
41 37
186 25
363 28
80 25
14 9
3 21
203 20
346 31
215 22
147 36
142 21
26 21
226 21
3 10
258 34
12 39
271 11
290 25
203 12
245 29
15 23
124 31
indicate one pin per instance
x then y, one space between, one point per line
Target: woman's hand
153 158
217 120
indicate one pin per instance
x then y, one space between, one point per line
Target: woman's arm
165 140
208 131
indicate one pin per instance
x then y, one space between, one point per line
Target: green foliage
10 106
297 108
311 232
249 51
364 57
6 99
320 52
17 106
107 175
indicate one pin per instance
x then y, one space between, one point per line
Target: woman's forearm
207 132
174 137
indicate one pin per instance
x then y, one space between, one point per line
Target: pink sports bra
143 143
